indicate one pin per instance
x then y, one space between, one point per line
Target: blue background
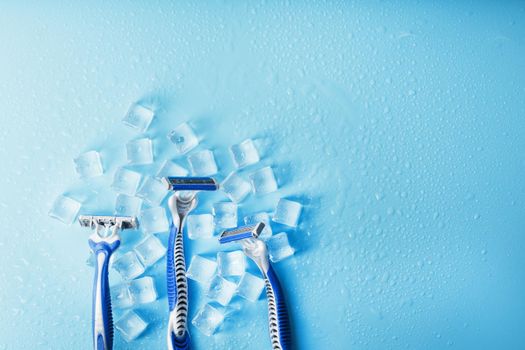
398 124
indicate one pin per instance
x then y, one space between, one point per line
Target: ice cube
140 151
139 117
127 205
203 163
170 168
244 153
287 212
279 247
225 214
201 269
126 181
154 220
142 290
131 326
221 290
184 138
150 250
208 319
250 287
65 209
89 165
128 266
200 226
120 296
263 181
253 219
231 263
152 191
235 187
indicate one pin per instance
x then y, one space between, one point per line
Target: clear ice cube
203 163
235 187
89 165
225 214
184 138
154 220
263 181
250 287
231 263
128 266
152 191
170 168
131 326
121 297
208 319
201 269
65 209
200 226
150 250
139 117
140 151
253 219
127 205
244 153
287 212
279 248
142 290
221 290
126 181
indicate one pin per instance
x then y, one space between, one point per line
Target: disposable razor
255 249
181 203
103 242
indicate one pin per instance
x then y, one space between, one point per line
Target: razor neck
180 208
97 237
256 250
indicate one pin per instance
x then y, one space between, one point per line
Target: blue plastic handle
280 329
102 323
170 268
180 343
177 292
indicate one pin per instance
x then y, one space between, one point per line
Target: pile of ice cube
139 192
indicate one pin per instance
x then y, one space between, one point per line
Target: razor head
125 222
242 232
179 183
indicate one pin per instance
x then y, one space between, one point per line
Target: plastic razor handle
280 331
178 336
102 315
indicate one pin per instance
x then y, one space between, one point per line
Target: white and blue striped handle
102 315
178 335
278 318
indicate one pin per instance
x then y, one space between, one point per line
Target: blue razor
103 243
181 203
255 249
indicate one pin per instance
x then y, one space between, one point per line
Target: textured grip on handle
179 343
101 309
279 321
178 336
